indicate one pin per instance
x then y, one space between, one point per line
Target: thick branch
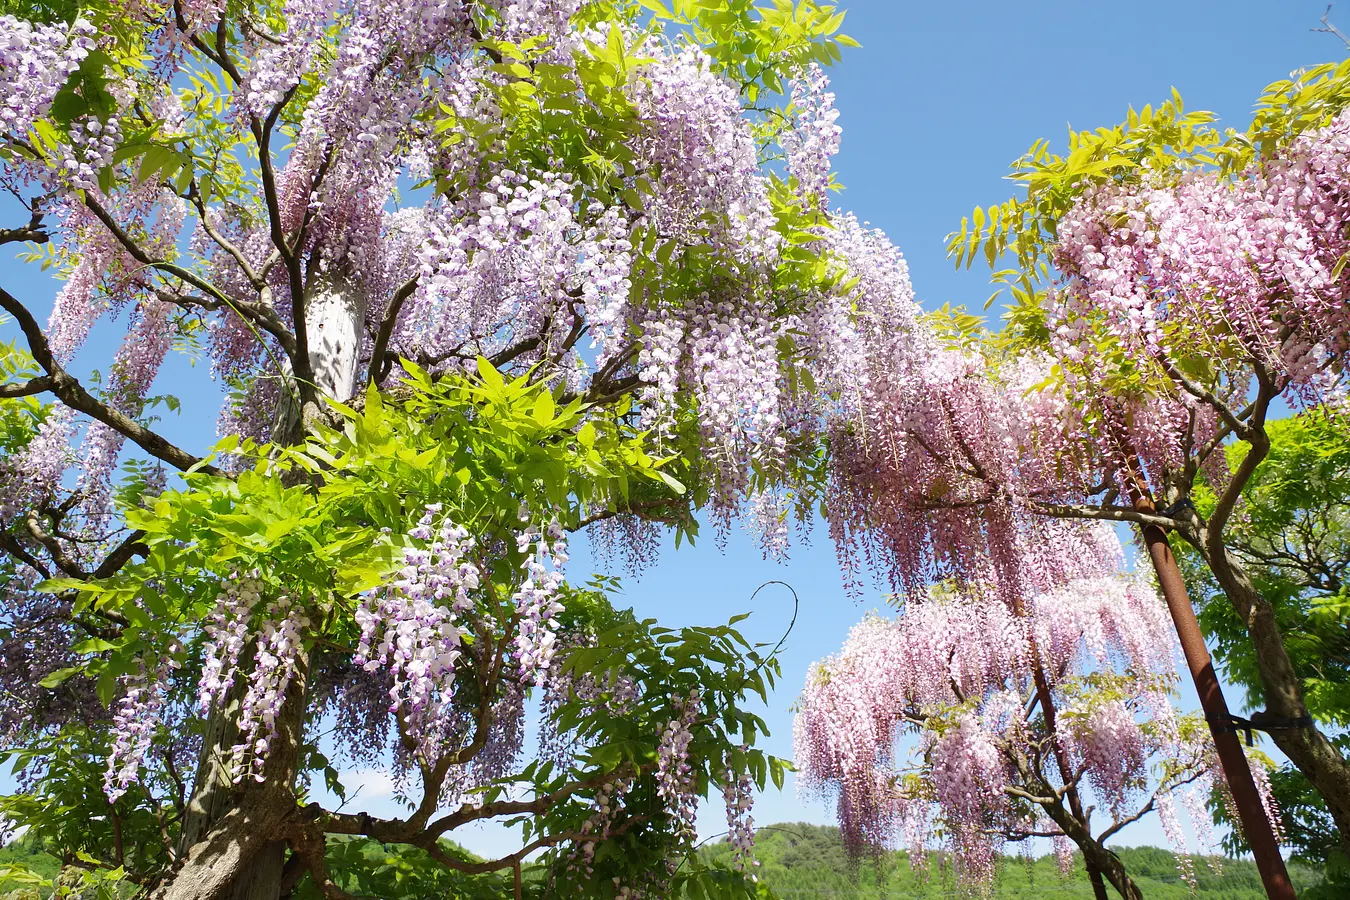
27 388
11 545
1108 513
379 366
1205 395
69 390
1259 444
33 231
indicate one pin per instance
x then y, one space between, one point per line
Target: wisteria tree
1021 723
477 275
1173 285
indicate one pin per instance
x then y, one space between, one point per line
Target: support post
1255 824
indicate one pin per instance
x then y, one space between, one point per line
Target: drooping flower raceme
674 775
812 145
536 599
739 796
413 628
136 717
227 634
275 663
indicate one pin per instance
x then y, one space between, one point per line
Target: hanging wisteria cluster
35 62
536 600
276 659
228 632
412 630
674 775
1250 265
739 797
135 719
955 675
811 147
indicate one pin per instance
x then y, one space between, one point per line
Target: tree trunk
1095 854
1047 702
1307 748
234 833
1237 771
334 317
232 843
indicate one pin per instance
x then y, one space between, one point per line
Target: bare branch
1107 513
1259 446
1026 795
472 813
131 546
33 231
1148 807
1328 28
27 388
1205 395
379 365
195 195
263 316
671 503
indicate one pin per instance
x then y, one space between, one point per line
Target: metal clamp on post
1263 721
1171 511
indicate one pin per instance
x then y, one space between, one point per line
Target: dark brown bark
1307 747
1095 854
1255 824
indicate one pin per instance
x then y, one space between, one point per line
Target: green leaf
93 645
55 679
57 585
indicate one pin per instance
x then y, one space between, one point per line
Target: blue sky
936 104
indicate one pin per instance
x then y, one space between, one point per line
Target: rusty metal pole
1255 825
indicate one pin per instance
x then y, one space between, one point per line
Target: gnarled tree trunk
1307 748
232 845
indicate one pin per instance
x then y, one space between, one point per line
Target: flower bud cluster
608 802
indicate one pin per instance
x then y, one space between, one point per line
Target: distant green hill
799 861
804 862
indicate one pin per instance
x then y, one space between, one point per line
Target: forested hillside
808 861
799 861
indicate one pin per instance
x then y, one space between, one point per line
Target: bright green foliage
19 416
1293 534
325 521
67 815
756 45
